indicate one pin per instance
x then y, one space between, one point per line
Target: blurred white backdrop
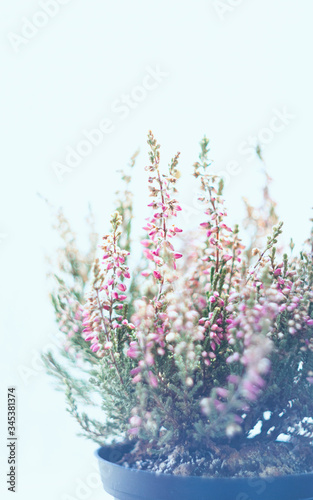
222 68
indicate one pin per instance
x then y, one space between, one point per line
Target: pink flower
157 275
223 393
89 337
226 227
137 378
177 255
133 351
134 431
146 243
153 381
135 371
233 379
219 405
148 254
122 287
146 273
233 357
149 359
227 257
135 421
95 347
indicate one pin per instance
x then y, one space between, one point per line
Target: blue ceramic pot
132 484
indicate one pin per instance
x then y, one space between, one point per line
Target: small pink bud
153 381
223 393
122 287
137 378
95 347
146 273
177 255
157 275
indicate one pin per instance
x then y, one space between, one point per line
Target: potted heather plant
194 371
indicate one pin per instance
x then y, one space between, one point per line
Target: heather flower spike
203 341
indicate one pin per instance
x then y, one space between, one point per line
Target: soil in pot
249 460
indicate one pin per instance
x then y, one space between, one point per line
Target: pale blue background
225 78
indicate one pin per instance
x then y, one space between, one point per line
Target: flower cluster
158 248
200 344
103 312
